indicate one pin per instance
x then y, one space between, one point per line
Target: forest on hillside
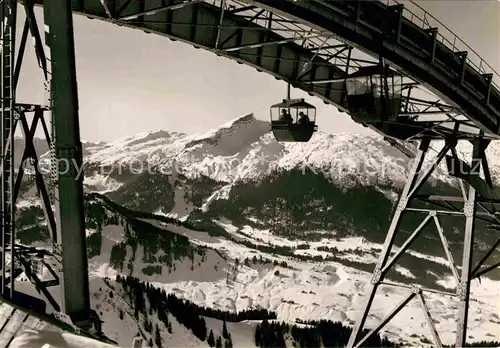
147 300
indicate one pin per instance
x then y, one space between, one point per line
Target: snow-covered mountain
231 219
244 148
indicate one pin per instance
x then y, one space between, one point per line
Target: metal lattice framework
477 202
65 264
313 45
254 33
290 42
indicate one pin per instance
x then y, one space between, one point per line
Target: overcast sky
130 81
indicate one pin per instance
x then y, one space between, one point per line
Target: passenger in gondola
303 119
285 116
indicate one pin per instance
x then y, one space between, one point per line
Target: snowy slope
307 289
244 149
31 338
328 290
298 290
123 330
119 324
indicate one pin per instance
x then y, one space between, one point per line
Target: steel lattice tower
476 202
66 262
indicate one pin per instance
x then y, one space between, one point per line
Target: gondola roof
298 103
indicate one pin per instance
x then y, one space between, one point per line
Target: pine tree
257 336
158 337
229 343
211 339
201 327
225 333
146 324
218 343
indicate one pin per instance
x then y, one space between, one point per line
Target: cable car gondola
374 94
374 97
293 120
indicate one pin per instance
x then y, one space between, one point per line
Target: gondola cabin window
374 96
293 120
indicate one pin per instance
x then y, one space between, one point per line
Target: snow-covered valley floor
326 290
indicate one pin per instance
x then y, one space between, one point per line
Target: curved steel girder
367 26
196 24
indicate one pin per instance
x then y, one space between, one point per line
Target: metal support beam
67 149
463 274
239 31
123 7
30 153
339 52
35 34
67 230
463 289
389 240
104 4
486 270
158 10
489 80
17 259
463 64
242 9
8 95
22 47
477 269
221 21
398 10
279 42
433 34
358 12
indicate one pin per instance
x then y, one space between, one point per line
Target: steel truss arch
297 43
313 45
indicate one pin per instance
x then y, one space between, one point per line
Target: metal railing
417 15
425 21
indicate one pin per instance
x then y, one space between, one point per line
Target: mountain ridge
293 228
